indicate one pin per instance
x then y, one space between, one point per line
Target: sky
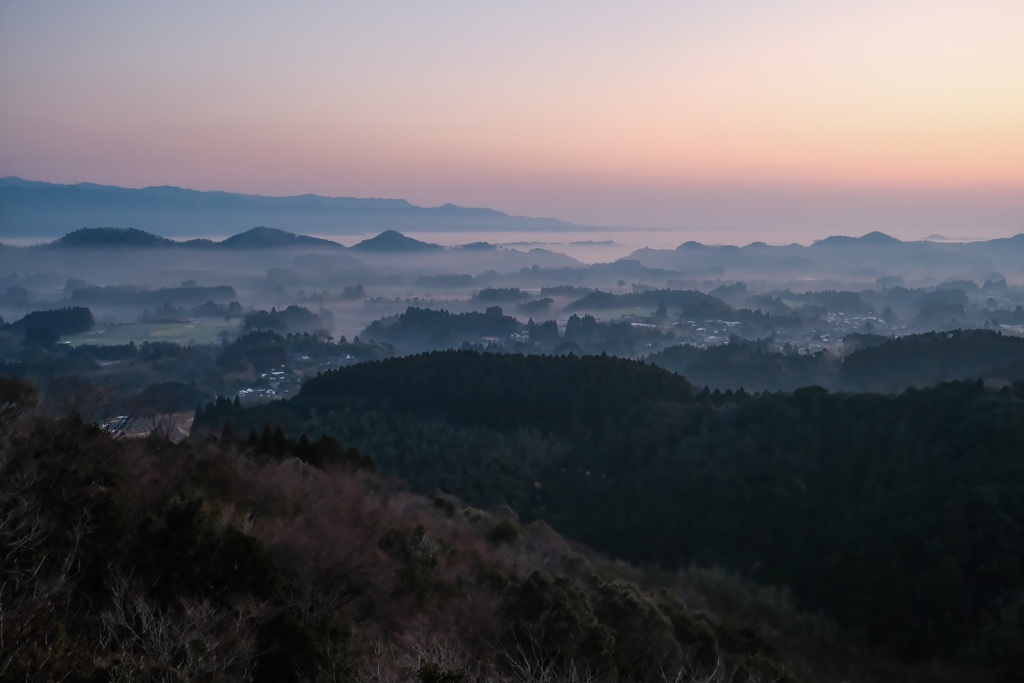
787 118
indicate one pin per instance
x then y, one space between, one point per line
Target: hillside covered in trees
272 559
899 515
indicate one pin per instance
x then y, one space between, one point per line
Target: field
206 331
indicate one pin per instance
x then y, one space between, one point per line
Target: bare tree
529 662
419 646
191 640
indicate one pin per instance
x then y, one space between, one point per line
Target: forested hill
924 359
902 516
552 393
871 362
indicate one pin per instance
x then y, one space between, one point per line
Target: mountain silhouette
269 238
256 238
394 241
32 209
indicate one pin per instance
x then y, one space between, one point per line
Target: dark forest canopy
901 516
58 321
502 390
924 359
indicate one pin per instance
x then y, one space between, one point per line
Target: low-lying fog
354 287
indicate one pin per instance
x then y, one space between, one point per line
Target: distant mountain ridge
874 254
33 209
872 238
387 242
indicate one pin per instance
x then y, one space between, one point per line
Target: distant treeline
501 295
419 328
58 321
293 319
871 362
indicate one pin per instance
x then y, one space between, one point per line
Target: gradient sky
796 116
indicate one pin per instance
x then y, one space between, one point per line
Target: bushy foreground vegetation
276 560
900 516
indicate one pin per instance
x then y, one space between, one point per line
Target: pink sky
595 112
